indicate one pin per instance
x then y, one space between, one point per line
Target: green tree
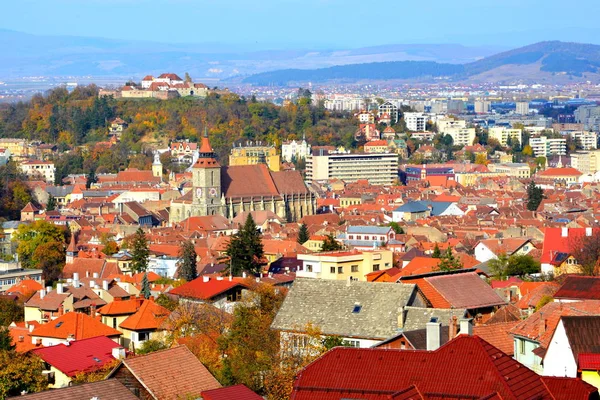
396 228
246 249
166 302
20 373
436 252
146 286
10 311
499 266
522 264
90 179
31 237
330 244
139 252
6 342
51 205
448 262
535 195
303 234
150 346
187 261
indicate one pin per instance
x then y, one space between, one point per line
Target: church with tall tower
230 190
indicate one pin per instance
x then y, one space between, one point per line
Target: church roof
247 181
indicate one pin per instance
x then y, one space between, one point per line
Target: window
354 268
350 237
387 264
236 295
114 323
143 336
340 270
375 267
521 346
309 268
352 343
332 270
299 342
356 309
358 237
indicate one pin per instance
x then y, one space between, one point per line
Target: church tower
157 168
206 182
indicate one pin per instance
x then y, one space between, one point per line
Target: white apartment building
378 169
522 108
447 123
366 118
588 140
389 109
415 122
39 170
544 147
502 134
294 150
461 136
483 106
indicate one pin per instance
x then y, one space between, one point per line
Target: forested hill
356 72
546 60
80 118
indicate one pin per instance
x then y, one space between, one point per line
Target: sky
290 24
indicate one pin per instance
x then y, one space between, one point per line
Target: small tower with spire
72 251
157 167
206 181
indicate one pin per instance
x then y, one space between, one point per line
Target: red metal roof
80 355
237 392
579 287
470 367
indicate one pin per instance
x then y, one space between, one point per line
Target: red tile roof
470 367
237 392
560 172
80 355
466 290
569 388
589 361
497 335
579 288
80 325
199 289
162 375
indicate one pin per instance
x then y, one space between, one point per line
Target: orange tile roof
498 335
26 286
149 316
81 325
121 307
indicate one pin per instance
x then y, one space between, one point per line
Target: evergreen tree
448 262
330 244
535 195
187 261
245 249
146 287
436 252
51 205
6 340
303 235
90 179
139 252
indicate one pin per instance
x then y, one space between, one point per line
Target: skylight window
59 324
96 359
357 308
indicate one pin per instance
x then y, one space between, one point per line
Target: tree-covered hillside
81 118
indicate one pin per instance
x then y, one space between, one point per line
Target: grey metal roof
59 191
329 304
373 230
437 207
11 224
412 207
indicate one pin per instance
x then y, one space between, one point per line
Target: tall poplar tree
187 261
139 252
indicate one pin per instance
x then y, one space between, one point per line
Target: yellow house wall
60 379
591 377
365 266
33 314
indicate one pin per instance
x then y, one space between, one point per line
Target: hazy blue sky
314 23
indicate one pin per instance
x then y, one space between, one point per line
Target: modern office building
522 108
378 169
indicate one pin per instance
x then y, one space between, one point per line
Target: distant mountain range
26 55
541 62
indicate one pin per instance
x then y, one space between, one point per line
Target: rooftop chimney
118 353
434 334
59 288
466 326
105 285
48 289
452 328
95 275
205 278
92 284
542 327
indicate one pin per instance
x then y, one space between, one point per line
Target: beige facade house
344 265
39 170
